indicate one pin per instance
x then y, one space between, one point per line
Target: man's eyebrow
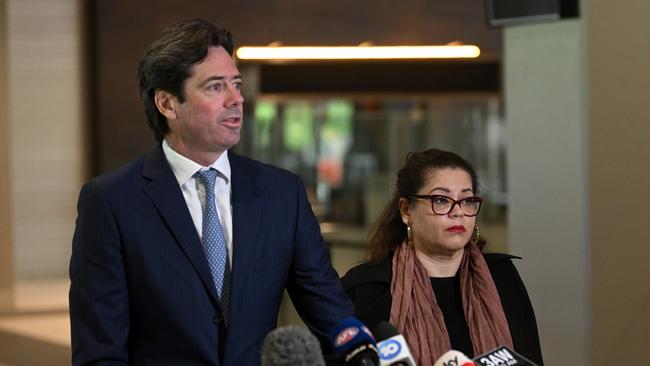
219 77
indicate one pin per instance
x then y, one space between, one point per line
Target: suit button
218 319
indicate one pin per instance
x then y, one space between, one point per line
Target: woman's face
440 234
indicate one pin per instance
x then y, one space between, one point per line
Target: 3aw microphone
454 358
503 356
392 347
354 343
291 346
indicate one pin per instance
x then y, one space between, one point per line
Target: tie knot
208 177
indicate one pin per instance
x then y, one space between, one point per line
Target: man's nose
234 97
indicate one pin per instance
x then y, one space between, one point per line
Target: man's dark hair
168 62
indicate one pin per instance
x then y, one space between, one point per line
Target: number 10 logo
389 349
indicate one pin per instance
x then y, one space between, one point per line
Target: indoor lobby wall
6 245
578 131
547 176
619 142
46 160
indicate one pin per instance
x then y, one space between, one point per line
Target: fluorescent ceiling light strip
354 53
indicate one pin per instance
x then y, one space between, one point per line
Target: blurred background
553 114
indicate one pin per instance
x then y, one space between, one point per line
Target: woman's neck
440 265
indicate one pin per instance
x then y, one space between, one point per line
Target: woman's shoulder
368 286
377 272
500 263
499 257
503 270
507 280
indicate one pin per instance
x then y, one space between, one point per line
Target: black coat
368 285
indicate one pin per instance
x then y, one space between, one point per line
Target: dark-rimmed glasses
443 205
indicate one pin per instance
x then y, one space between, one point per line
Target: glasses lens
441 204
470 206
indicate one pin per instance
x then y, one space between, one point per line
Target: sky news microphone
503 356
392 347
354 343
291 346
454 358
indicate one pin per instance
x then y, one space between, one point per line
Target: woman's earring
409 233
477 233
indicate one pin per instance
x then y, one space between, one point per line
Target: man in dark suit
182 256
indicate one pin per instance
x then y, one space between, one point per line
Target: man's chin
225 145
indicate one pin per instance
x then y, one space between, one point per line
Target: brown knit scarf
415 312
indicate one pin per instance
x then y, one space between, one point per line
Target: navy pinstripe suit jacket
141 290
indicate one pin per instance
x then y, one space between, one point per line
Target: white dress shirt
194 192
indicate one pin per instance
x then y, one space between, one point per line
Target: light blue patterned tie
214 242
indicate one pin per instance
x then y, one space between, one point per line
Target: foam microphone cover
384 330
291 346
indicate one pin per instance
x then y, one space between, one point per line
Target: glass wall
348 150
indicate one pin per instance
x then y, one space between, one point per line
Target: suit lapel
247 209
166 195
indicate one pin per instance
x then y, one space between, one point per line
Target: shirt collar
184 168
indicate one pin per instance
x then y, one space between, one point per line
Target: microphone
503 356
455 358
291 346
354 343
393 349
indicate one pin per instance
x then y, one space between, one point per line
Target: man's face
209 120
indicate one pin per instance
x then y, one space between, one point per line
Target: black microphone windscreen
384 330
291 346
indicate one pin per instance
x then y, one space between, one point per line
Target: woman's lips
457 229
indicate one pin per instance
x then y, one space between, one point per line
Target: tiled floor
37 332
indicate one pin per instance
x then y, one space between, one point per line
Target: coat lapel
246 211
166 195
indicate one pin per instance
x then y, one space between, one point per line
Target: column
548 181
578 118
6 245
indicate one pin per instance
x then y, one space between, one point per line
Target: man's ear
404 210
166 103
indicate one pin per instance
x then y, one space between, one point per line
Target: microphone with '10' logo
392 347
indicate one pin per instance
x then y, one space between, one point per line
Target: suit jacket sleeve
313 284
99 305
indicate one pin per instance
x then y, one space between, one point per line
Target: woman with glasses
426 273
